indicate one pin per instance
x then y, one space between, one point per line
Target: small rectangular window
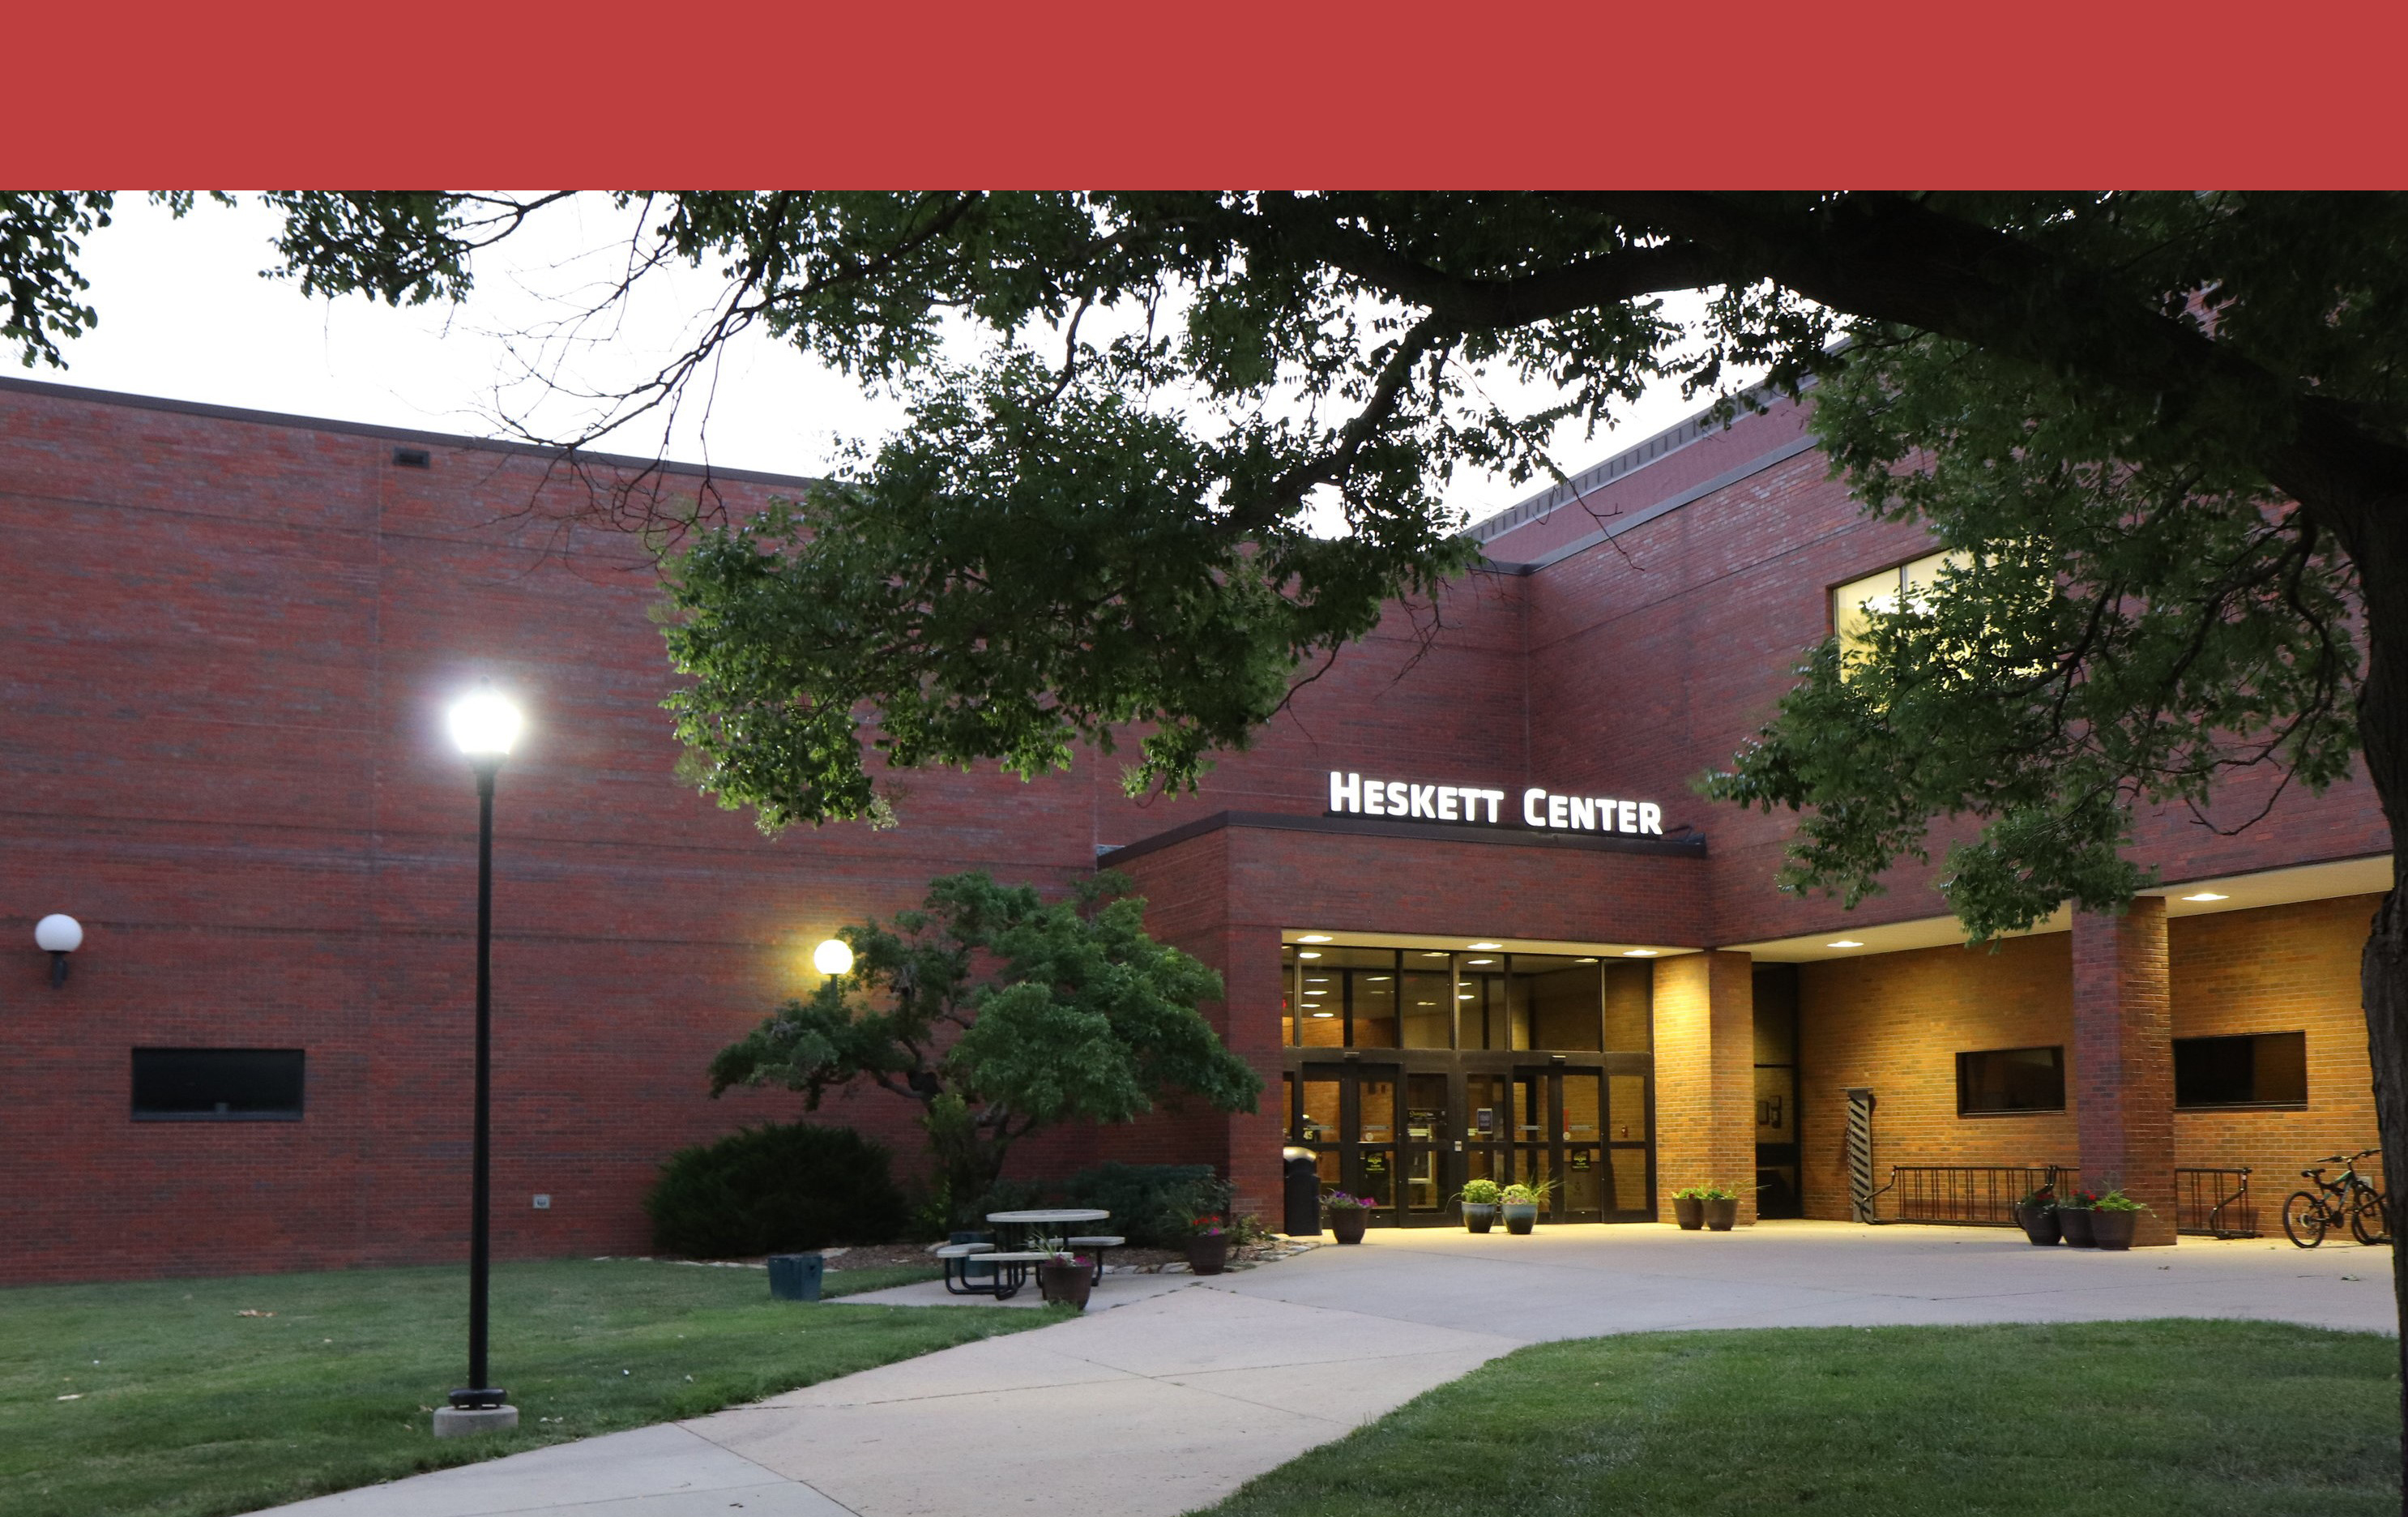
216 1084
2006 1081
2256 1070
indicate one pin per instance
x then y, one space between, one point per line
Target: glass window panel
1333 957
1379 1176
238 1084
1322 994
1426 1002
1425 1109
1565 1007
1487 1111
2009 1079
1287 994
2260 1069
1582 1120
1777 1106
1584 1183
1775 987
1318 1123
1630 1007
1855 604
1373 1003
1530 1110
1515 992
1630 1179
1423 1192
1627 1106
1376 1110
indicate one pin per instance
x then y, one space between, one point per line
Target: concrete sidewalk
1194 1386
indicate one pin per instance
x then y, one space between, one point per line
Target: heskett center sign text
1351 794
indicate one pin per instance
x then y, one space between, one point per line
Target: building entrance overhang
2329 881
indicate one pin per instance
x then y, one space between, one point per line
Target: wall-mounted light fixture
58 935
833 957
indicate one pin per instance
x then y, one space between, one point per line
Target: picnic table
1030 1238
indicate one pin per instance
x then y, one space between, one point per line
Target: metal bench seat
1098 1247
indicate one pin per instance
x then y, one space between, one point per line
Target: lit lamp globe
832 958
485 724
58 935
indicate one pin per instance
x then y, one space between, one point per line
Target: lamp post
484 726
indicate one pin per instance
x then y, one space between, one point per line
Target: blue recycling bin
974 1273
796 1277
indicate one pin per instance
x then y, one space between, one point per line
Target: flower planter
2039 1222
1689 1212
2075 1220
2112 1229
1520 1216
1348 1224
1478 1216
1064 1285
1723 1215
1208 1255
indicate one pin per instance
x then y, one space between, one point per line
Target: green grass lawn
2190 1418
184 1406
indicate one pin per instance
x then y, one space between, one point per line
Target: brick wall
2284 968
2120 1069
1896 1023
1705 1077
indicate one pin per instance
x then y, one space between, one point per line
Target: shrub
773 1190
1153 1204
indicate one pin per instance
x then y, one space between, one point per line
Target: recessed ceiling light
1844 942
1426 1003
1583 961
1314 938
1638 952
1374 979
2207 896
1478 946
1480 961
1324 1013
1308 954
1433 955
1466 998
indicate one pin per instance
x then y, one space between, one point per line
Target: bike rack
2214 1203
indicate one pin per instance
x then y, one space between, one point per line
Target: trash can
796 1277
1303 1187
972 1272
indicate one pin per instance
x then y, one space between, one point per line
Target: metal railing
2214 1203
1962 1194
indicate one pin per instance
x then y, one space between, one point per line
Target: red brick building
1471 915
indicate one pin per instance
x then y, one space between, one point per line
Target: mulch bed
1135 1261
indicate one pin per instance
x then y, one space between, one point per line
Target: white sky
184 314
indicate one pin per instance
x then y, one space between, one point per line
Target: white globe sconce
58 935
832 957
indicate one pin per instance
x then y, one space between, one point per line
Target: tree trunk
2382 983
2378 543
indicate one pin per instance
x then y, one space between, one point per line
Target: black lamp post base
471 1400
463 1422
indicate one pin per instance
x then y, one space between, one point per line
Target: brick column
1249 1024
1705 1077
2123 1060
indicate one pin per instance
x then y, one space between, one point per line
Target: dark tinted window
216 1084
2010 1079
2259 1069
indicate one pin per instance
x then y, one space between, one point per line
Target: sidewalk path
1167 1402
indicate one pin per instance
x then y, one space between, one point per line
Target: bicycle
2349 1201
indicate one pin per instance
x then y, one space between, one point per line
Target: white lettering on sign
1542 811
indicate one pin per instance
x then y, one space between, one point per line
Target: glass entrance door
1561 1134
1349 1115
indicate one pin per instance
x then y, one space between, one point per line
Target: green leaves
41 232
1003 1013
2136 617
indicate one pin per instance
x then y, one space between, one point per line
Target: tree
999 1014
2168 431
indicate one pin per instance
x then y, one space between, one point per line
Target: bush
775 1190
1153 1204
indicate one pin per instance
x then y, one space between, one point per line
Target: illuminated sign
1351 794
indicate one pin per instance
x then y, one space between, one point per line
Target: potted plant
1347 1214
2112 1217
1721 1205
1689 1207
2036 1214
1065 1280
2075 1215
1207 1245
1479 1204
1521 1204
